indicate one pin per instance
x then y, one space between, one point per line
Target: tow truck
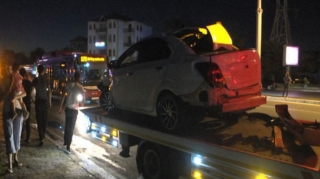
247 146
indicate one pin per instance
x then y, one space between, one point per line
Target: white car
163 75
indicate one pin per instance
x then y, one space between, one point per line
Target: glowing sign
91 59
100 44
290 56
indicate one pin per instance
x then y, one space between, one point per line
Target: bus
60 67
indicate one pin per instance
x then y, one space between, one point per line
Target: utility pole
281 29
259 25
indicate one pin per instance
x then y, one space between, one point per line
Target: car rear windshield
200 41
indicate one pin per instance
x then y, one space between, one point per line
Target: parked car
199 67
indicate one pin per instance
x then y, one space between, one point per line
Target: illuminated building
111 35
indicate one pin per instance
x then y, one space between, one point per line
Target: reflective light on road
88 150
83 123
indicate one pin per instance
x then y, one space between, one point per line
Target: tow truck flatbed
222 147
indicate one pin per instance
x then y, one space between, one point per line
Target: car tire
106 101
170 113
154 164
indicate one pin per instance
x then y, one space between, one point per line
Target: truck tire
155 165
170 113
106 101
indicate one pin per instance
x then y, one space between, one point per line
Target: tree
21 58
36 54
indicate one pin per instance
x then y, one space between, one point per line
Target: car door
149 73
123 83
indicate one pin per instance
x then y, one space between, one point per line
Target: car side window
153 49
130 59
148 50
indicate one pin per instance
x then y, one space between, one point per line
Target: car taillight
212 73
216 76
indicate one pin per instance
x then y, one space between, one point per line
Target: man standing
287 80
42 101
74 95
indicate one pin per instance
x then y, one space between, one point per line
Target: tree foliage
36 54
9 57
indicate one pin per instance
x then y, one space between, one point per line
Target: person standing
287 80
12 127
27 85
74 95
306 82
42 101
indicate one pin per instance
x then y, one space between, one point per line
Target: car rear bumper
244 104
92 94
236 100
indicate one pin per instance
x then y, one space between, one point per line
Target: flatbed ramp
245 146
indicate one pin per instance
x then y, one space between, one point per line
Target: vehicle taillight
216 76
212 73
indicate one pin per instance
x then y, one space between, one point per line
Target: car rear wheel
153 164
170 112
106 101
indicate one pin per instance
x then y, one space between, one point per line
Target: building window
90 39
114 38
140 28
110 25
90 27
94 39
114 24
94 26
130 28
114 52
109 53
109 38
129 40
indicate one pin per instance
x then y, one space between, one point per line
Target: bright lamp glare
79 97
103 129
197 175
94 134
261 176
83 123
115 143
197 160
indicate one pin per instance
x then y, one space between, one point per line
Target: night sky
28 24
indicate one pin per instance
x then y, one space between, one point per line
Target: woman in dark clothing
11 126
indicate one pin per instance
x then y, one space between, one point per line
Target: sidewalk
49 161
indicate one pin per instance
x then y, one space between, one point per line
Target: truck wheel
170 112
155 165
106 101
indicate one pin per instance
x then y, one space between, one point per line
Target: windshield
91 76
